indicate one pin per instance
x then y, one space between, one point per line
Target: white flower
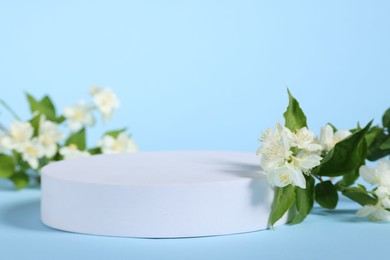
276 147
383 194
374 213
121 144
32 151
286 157
79 116
378 175
329 139
49 136
105 100
292 172
71 152
19 135
304 162
281 164
306 139
94 90
285 175
3 148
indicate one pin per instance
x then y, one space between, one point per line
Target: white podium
157 194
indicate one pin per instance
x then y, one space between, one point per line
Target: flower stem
9 109
318 177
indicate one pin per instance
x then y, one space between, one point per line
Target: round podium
157 194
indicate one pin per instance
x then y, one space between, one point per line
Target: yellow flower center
19 136
285 179
117 146
32 151
72 146
78 115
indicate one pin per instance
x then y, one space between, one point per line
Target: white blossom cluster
380 175
81 114
286 156
19 136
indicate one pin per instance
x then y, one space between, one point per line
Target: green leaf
375 137
7 166
294 116
34 104
46 101
115 133
304 200
45 107
346 156
350 178
35 124
60 119
359 195
386 144
386 119
20 180
284 199
94 151
372 134
362 187
326 195
78 139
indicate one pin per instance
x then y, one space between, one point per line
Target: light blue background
200 74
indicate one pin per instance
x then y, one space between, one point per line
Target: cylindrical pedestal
157 194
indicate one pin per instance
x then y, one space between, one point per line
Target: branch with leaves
27 146
302 168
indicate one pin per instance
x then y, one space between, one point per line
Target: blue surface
201 74
198 75
324 235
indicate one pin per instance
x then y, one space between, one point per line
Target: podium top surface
158 168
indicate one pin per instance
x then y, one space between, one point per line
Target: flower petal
314 147
270 162
386 202
383 172
341 134
51 150
380 214
365 211
368 174
326 137
310 161
297 177
279 177
33 162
